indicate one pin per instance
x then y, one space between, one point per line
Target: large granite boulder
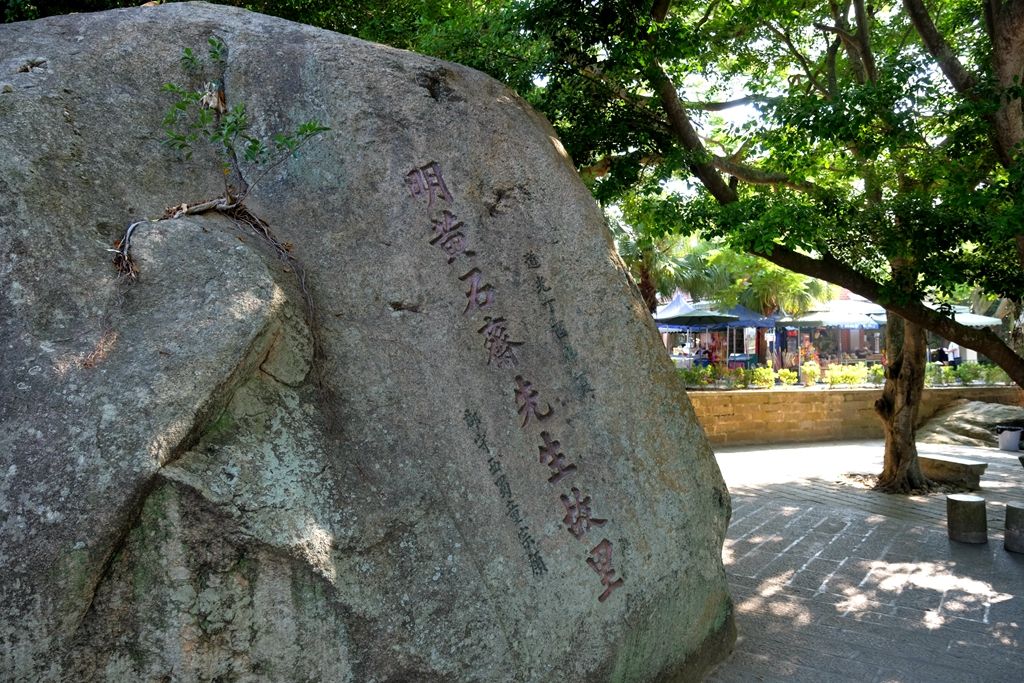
970 423
425 432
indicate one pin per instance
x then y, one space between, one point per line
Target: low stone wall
756 416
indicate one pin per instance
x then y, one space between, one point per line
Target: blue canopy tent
748 318
677 306
680 316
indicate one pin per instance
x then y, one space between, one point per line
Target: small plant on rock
201 114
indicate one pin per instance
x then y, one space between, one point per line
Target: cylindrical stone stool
1014 538
966 520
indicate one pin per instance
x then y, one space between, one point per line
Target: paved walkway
835 582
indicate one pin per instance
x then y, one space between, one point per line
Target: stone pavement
833 582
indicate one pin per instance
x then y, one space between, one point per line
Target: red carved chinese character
578 515
528 401
427 180
601 562
499 347
550 456
480 296
448 232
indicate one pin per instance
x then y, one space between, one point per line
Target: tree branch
603 166
684 132
660 10
864 40
849 40
831 269
729 104
594 73
798 56
756 176
958 76
707 15
846 36
830 67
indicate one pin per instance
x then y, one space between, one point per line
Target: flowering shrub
853 375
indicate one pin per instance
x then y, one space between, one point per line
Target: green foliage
788 377
810 371
200 115
876 374
698 376
763 377
846 374
968 373
709 269
937 374
22 10
736 377
218 51
189 61
994 374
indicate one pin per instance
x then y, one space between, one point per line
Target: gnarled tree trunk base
897 408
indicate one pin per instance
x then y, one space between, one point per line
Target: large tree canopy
868 165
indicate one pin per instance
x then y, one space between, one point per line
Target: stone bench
948 469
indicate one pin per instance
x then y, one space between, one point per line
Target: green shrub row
858 374
937 375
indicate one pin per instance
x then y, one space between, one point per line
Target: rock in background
970 423
471 463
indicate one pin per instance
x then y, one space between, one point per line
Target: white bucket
1009 439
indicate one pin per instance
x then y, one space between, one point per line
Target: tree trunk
648 292
904 384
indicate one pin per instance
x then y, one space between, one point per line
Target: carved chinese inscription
501 482
500 348
561 334
578 519
551 455
449 234
600 561
528 401
480 295
427 180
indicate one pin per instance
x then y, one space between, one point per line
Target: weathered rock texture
191 491
970 423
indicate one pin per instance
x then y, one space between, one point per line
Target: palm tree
727 277
650 259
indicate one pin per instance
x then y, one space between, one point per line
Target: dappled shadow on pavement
829 587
